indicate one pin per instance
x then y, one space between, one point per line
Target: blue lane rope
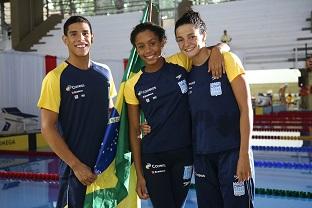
285 165
282 149
284 193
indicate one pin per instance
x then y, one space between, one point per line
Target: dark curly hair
191 17
159 31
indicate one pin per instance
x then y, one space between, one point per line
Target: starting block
13 121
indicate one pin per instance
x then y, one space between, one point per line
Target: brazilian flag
116 181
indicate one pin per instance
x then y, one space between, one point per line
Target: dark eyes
143 46
83 33
188 38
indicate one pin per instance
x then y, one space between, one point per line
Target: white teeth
149 57
81 46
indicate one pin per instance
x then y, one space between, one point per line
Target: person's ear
65 40
204 37
92 38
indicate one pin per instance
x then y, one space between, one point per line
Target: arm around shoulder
216 61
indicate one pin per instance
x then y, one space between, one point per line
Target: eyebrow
72 31
75 31
190 33
178 36
150 40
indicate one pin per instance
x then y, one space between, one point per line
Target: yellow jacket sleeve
233 65
50 96
129 92
181 60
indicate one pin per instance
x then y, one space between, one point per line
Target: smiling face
190 40
78 39
149 48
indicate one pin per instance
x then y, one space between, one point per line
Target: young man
75 100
